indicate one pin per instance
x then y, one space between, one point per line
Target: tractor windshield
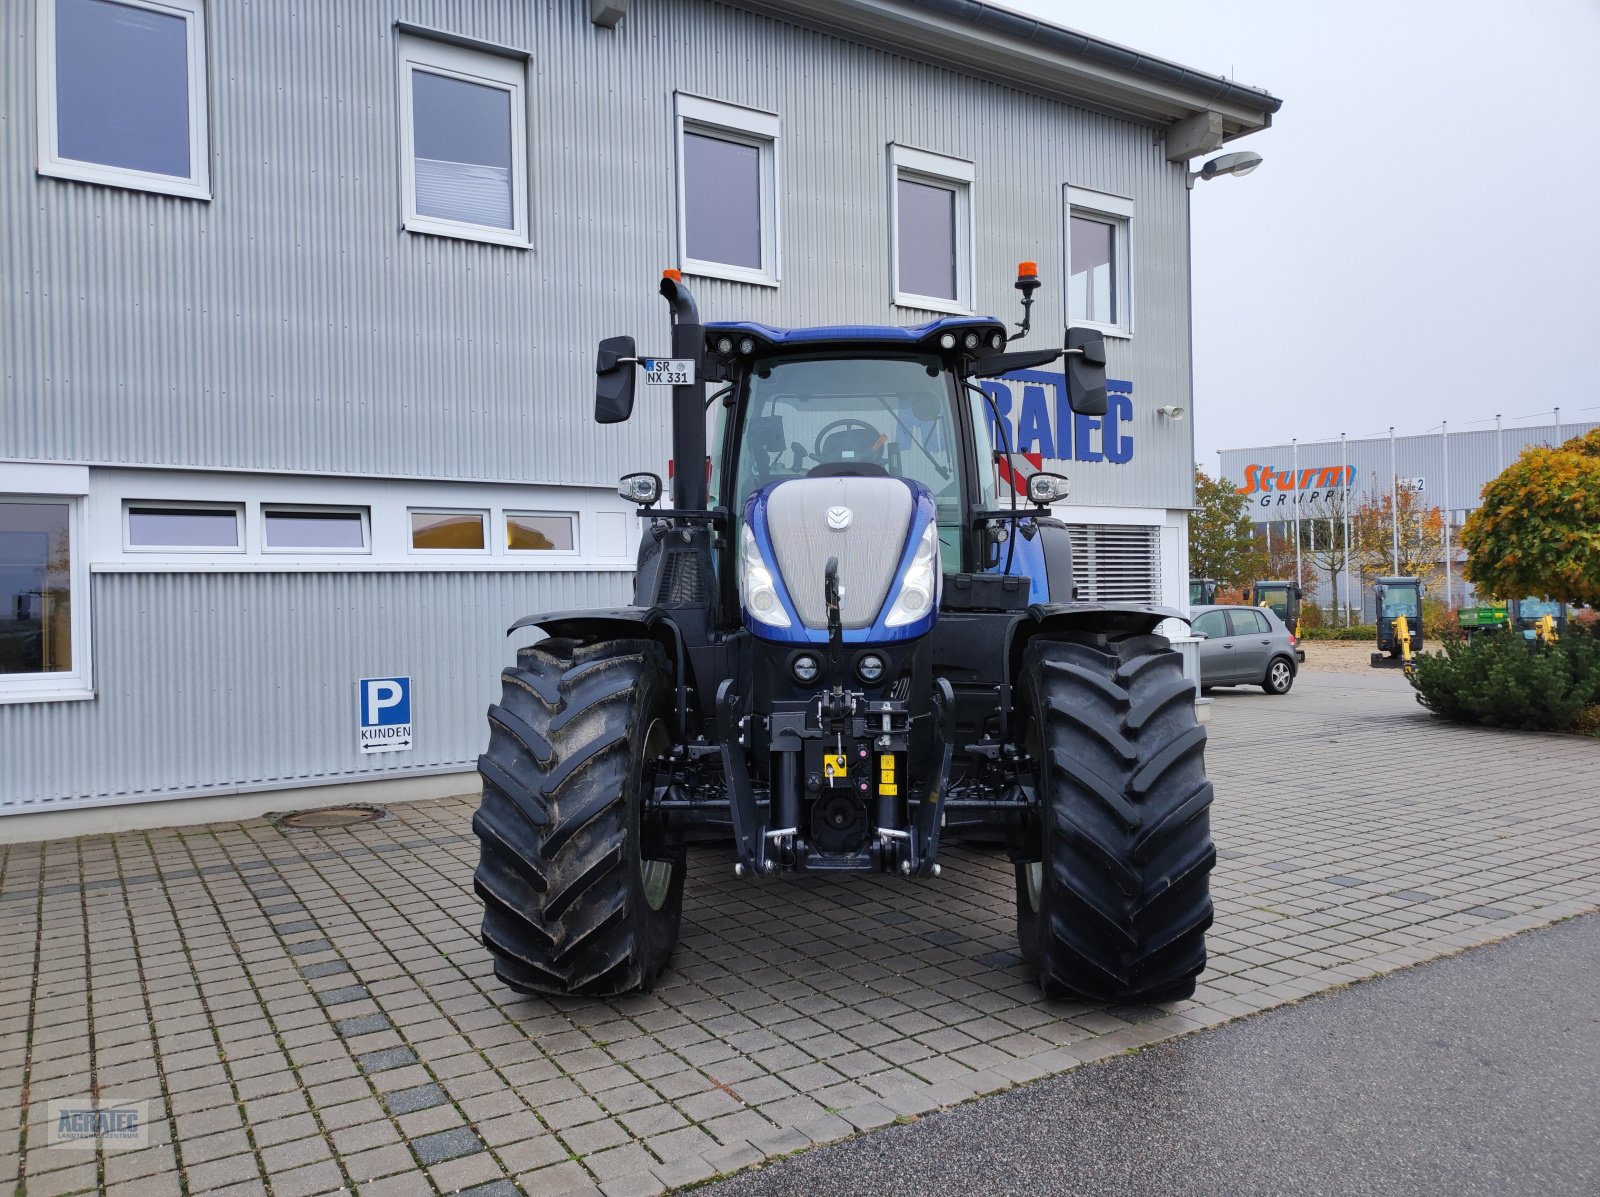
810 415
1400 600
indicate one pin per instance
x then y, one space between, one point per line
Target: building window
930 231
43 642
122 94
463 124
200 528
314 530
528 531
727 191
449 531
1098 292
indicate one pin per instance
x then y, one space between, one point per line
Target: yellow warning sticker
889 788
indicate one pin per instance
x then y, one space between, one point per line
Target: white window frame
1116 211
198 183
505 530
187 505
270 508
744 126
486 514
920 166
505 72
69 485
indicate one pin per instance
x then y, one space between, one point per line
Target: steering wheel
847 422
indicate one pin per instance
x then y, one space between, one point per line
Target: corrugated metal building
299 306
1444 470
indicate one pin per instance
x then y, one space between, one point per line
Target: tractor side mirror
613 389
1086 371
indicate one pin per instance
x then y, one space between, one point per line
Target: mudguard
610 623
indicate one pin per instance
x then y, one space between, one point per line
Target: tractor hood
879 529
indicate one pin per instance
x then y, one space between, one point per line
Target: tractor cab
1202 592
1393 598
1283 597
1531 616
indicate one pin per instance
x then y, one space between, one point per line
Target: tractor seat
851 445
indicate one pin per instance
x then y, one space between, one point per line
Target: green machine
1398 602
1474 621
1283 597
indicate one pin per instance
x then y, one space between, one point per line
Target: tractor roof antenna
1027 283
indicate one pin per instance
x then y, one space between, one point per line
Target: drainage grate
329 818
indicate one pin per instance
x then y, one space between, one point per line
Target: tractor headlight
805 669
919 589
757 592
870 669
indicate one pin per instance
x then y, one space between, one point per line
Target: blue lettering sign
1030 422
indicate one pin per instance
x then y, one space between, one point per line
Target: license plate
669 371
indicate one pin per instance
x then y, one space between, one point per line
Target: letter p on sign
382 693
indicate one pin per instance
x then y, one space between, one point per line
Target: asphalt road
1475 1074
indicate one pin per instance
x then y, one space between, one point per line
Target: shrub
1311 616
1360 631
1503 681
1438 617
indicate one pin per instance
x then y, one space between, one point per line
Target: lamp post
1394 508
1449 566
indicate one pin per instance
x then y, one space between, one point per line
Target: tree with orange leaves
1421 537
1538 530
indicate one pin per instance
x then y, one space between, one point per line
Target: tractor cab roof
851 335
953 338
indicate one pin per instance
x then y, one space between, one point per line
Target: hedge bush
1360 631
1504 681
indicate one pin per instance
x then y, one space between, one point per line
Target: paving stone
446 1145
382 1061
408 1101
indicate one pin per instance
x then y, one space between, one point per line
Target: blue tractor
845 645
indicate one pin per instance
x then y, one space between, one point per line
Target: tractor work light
870 669
947 341
997 340
971 340
724 344
1045 488
643 489
805 669
747 346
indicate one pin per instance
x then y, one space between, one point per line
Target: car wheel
1280 676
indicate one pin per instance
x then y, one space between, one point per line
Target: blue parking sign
385 713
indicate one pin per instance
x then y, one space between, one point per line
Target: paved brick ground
307 1012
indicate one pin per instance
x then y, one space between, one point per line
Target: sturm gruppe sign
1308 489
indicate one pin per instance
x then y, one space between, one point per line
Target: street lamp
1240 162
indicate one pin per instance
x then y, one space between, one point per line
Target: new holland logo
838 518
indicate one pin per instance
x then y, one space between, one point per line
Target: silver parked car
1245 646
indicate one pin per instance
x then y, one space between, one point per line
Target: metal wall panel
290 324
1476 456
210 681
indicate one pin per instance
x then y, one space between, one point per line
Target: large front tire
577 900
1116 908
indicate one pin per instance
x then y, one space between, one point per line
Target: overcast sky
1422 242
